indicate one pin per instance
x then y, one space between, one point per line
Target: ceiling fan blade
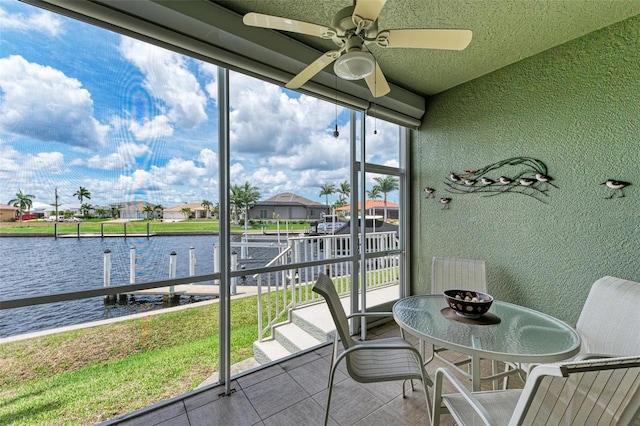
368 10
312 69
425 39
253 19
377 83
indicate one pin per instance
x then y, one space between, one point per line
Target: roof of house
130 204
7 207
179 207
288 198
370 204
62 207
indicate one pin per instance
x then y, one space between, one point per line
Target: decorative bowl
467 303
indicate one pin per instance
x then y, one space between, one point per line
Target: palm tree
374 193
148 209
82 193
249 195
326 190
101 212
186 211
235 198
344 191
115 212
386 184
84 208
207 206
22 202
159 208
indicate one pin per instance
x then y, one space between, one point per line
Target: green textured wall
576 108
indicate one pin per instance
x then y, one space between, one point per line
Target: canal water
38 266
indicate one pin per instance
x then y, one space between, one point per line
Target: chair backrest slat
603 392
449 273
324 287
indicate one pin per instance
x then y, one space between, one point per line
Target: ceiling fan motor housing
343 23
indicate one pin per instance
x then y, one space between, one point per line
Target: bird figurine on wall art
445 203
617 186
428 192
487 181
544 179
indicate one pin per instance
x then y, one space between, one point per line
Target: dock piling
109 298
234 266
192 261
172 274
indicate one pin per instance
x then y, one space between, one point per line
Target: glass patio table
523 335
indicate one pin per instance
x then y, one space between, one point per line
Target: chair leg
494 369
505 382
331 376
437 401
427 398
334 353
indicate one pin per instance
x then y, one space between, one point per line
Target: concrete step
269 350
293 338
310 325
315 320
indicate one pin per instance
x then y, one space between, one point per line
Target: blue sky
82 106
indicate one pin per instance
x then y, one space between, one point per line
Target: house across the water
288 206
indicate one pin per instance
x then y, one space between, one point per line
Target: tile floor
294 392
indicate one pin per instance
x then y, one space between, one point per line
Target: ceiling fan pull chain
336 133
375 116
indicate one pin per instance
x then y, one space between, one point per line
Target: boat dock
196 290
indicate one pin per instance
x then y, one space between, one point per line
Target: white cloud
211 86
325 153
168 79
8 164
45 162
45 22
27 172
382 147
210 161
158 126
264 119
42 103
123 159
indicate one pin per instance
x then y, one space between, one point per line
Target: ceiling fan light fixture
354 65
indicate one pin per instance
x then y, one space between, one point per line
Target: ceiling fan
352 29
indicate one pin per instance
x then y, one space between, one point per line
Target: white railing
290 287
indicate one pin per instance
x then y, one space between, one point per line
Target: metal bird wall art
519 175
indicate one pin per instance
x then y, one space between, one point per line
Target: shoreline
138 234
110 235
96 323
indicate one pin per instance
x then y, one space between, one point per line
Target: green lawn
96 226
95 374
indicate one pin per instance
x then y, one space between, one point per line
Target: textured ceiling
504 32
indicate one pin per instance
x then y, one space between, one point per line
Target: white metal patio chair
450 274
604 324
588 392
372 361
